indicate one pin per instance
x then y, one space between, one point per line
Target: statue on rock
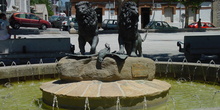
129 38
88 26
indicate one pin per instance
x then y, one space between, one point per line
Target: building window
168 13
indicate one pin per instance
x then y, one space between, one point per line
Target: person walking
199 23
4 27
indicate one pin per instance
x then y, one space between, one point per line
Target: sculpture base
126 93
111 69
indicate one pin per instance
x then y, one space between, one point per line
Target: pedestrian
199 23
4 27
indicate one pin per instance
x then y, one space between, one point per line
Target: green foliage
46 2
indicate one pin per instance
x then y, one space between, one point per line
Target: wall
22 5
41 11
216 14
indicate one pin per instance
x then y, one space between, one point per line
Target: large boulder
111 69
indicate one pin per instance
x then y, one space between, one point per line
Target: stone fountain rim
10 71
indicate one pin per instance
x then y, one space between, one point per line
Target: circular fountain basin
126 93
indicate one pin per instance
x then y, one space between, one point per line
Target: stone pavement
160 46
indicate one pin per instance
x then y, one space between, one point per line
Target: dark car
203 25
56 21
18 20
110 24
159 25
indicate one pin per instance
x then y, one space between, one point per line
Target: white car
66 25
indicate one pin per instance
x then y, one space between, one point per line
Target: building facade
18 6
149 10
216 13
41 11
58 6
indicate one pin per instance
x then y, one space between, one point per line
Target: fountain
111 81
80 81
182 95
107 80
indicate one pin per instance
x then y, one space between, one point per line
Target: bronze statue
129 38
88 26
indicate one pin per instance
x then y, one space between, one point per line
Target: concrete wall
188 71
183 70
35 45
35 48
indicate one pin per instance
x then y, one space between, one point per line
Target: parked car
203 25
18 20
56 21
109 24
159 25
53 18
65 25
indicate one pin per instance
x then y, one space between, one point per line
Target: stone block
112 69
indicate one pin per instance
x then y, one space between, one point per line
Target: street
160 46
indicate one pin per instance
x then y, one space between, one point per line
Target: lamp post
68 9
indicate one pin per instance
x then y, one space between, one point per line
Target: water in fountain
145 103
8 83
172 101
216 75
30 69
180 96
40 62
196 98
55 102
2 63
195 68
156 60
214 97
38 102
87 104
56 60
168 65
118 105
182 79
14 64
212 62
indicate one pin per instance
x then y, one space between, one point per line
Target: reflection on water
183 95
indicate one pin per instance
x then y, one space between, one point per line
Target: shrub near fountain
128 82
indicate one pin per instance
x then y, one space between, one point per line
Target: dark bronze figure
129 38
88 26
103 53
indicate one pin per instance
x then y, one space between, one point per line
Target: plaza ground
157 46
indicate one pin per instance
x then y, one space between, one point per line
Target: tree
46 2
188 3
